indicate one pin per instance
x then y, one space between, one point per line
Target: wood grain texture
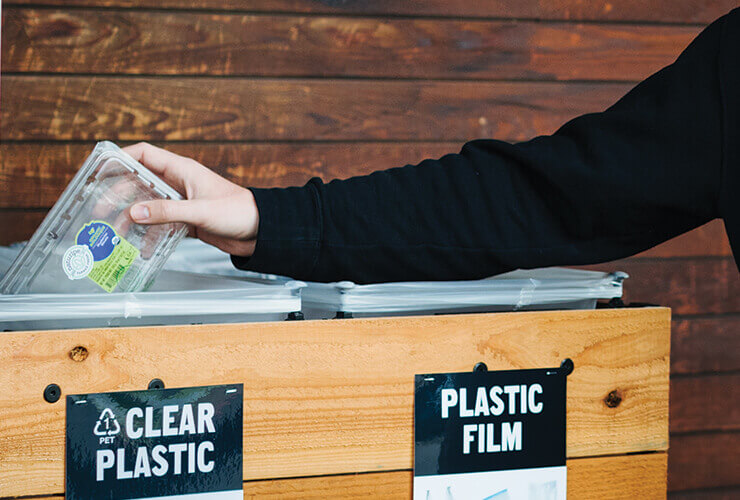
19 225
94 108
639 476
732 493
709 239
680 11
462 39
36 174
701 345
644 476
688 286
306 415
705 403
115 42
698 461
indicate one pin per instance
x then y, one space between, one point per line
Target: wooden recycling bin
328 405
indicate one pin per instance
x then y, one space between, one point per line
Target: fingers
231 217
163 211
193 213
175 169
156 159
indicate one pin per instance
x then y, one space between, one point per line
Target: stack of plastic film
538 289
88 243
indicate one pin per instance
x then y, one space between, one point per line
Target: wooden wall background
272 92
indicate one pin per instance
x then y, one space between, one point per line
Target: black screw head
156 383
295 316
567 366
52 393
480 367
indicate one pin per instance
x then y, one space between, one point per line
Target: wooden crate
328 405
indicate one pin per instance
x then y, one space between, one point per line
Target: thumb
164 211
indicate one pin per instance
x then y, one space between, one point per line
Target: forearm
605 186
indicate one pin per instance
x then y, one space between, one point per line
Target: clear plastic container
87 243
177 298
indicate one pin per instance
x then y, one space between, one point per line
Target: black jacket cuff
289 234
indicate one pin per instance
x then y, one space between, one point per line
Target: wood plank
709 239
122 42
701 345
698 461
705 403
677 11
306 415
19 225
686 285
638 476
94 108
732 493
36 174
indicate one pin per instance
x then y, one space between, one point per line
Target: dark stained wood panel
37 173
19 225
705 403
681 11
709 239
701 345
704 461
688 286
114 42
88 108
713 494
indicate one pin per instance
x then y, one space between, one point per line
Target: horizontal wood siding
214 109
274 92
639 476
657 11
115 42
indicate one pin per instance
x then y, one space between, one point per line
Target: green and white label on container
100 254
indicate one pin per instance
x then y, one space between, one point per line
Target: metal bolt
567 366
52 393
156 383
480 367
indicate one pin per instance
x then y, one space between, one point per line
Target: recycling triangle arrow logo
107 425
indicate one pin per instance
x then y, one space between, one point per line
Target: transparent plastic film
551 288
543 288
176 298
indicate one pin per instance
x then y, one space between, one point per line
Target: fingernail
139 212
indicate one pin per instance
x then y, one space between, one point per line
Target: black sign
155 443
478 422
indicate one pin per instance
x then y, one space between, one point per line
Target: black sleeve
604 186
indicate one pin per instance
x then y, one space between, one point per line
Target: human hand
217 211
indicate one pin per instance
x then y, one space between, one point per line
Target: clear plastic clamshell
88 243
